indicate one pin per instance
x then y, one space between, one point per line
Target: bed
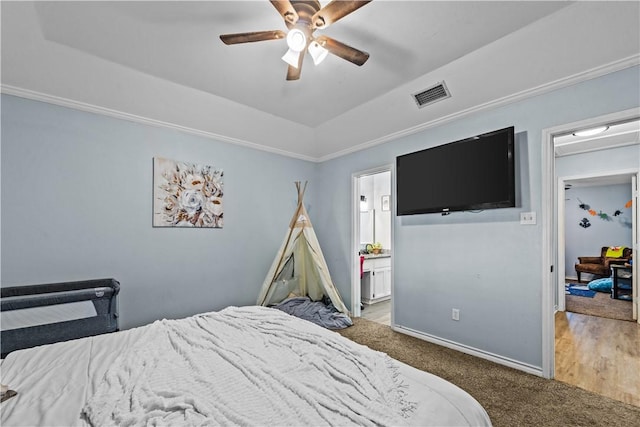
238 366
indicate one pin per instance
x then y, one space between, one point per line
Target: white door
561 272
635 209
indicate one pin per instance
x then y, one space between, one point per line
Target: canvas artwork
187 194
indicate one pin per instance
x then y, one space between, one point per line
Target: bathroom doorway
372 245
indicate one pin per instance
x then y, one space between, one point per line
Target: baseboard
375 301
511 363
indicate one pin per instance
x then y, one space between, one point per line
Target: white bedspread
139 376
229 368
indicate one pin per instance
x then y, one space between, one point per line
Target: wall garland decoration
584 223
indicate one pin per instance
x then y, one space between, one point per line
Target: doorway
372 244
596 339
593 211
553 195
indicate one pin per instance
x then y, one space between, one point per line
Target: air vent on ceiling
431 95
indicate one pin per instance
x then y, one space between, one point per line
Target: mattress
55 382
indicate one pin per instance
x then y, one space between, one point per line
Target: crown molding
612 67
599 71
90 108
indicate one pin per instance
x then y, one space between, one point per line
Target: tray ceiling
129 56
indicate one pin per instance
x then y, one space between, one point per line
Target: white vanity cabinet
376 279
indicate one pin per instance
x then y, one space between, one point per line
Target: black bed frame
102 292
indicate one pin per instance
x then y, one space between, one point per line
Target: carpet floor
511 398
601 305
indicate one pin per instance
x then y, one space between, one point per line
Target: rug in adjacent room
579 290
602 305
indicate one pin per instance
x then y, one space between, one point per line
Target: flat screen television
471 174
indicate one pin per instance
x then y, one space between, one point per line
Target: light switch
528 218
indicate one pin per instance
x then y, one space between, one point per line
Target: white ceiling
180 42
163 62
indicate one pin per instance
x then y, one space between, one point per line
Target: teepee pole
300 207
292 225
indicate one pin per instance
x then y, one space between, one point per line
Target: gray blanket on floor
325 315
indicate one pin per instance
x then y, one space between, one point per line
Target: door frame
635 215
560 221
355 234
550 231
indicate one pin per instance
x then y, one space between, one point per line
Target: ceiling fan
303 17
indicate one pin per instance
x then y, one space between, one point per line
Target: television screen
472 174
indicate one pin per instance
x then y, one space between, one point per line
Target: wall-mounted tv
471 174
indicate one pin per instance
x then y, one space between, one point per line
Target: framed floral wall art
187 194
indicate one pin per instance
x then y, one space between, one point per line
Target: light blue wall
485 264
611 231
77 204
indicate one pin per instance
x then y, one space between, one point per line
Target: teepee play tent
299 268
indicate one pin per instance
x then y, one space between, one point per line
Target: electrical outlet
455 314
528 218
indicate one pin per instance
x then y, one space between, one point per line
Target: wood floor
379 312
599 355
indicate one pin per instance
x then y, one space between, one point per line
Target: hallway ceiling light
612 135
591 132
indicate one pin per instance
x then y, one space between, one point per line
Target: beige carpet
512 398
601 305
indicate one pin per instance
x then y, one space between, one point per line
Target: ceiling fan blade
342 50
286 10
334 11
293 73
256 36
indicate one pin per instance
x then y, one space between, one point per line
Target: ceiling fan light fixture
296 40
317 52
292 57
302 18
